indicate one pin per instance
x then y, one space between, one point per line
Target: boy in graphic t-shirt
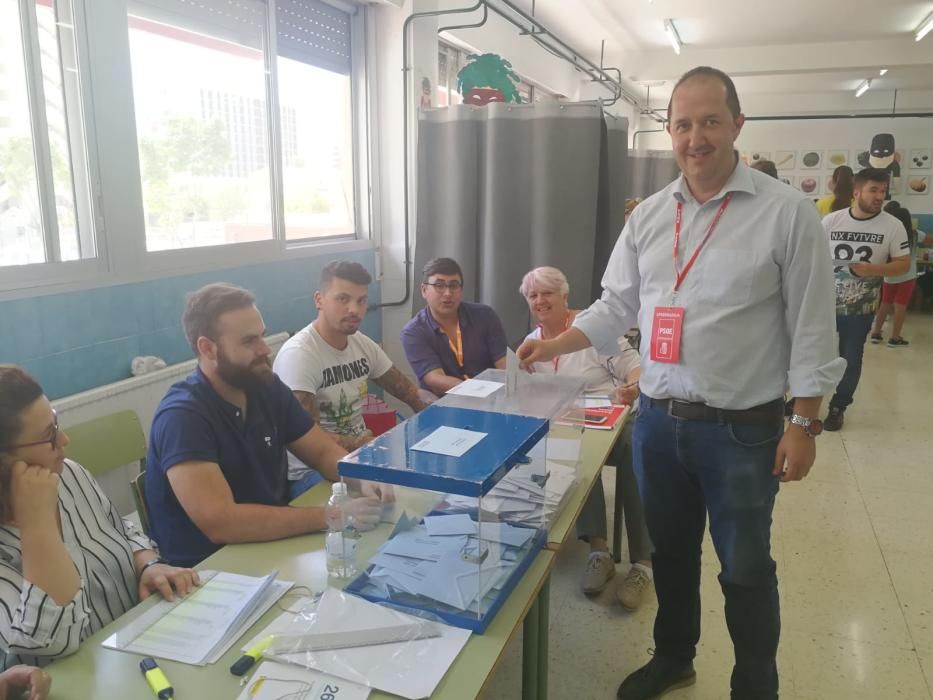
328 365
867 244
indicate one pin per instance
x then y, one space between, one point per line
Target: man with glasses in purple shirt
450 339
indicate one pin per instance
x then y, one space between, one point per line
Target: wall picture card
918 184
785 160
811 159
920 159
810 184
835 158
755 156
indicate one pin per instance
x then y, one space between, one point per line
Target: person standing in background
867 244
843 191
896 292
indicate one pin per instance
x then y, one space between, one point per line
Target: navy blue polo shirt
427 348
194 424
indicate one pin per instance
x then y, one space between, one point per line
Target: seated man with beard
216 471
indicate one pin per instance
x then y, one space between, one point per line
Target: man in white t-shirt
328 365
867 245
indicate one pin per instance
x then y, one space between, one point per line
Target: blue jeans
299 486
686 469
853 332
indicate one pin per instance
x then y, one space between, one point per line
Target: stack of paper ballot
441 560
199 628
519 496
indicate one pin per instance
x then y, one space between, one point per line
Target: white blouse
33 628
602 372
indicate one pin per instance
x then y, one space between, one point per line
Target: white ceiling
811 52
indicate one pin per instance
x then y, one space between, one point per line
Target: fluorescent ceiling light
673 36
882 71
863 88
925 27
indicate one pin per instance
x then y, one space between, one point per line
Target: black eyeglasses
51 441
442 287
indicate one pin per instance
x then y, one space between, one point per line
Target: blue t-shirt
427 348
193 423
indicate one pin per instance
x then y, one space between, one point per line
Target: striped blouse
33 628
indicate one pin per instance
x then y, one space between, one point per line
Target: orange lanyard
458 350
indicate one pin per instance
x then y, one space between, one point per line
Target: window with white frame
316 111
202 97
45 211
246 121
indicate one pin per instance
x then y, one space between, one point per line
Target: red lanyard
556 360
678 219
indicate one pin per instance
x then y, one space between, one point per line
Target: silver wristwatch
811 426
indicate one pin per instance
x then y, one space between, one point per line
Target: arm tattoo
401 388
347 442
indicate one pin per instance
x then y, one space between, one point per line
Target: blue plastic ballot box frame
425 484
389 458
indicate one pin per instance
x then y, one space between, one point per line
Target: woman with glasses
546 290
69 565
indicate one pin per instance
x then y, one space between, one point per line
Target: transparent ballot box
555 398
445 546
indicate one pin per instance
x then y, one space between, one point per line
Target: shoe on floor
655 679
897 342
834 420
599 571
875 339
633 587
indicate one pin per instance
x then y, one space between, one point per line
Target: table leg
544 608
530 643
617 518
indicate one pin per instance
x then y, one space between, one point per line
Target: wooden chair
138 487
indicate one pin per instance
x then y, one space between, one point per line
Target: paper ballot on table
453 442
274 681
200 627
411 669
476 388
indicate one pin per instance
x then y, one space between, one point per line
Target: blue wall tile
77 341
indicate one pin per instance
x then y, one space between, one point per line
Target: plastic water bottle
340 545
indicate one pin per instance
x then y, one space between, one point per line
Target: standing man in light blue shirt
727 273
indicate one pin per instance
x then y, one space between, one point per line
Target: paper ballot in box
452 549
458 564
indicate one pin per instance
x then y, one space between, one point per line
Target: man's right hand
532 351
33 494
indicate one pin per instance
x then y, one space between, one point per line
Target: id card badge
665 333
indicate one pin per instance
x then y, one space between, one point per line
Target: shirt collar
463 316
224 405
739 181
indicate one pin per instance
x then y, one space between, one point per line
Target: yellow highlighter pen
252 655
156 679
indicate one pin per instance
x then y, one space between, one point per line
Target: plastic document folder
411 667
199 628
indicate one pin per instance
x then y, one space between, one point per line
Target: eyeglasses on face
51 441
442 287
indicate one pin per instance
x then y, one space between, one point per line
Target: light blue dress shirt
759 302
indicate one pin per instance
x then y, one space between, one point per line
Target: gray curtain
646 172
505 188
